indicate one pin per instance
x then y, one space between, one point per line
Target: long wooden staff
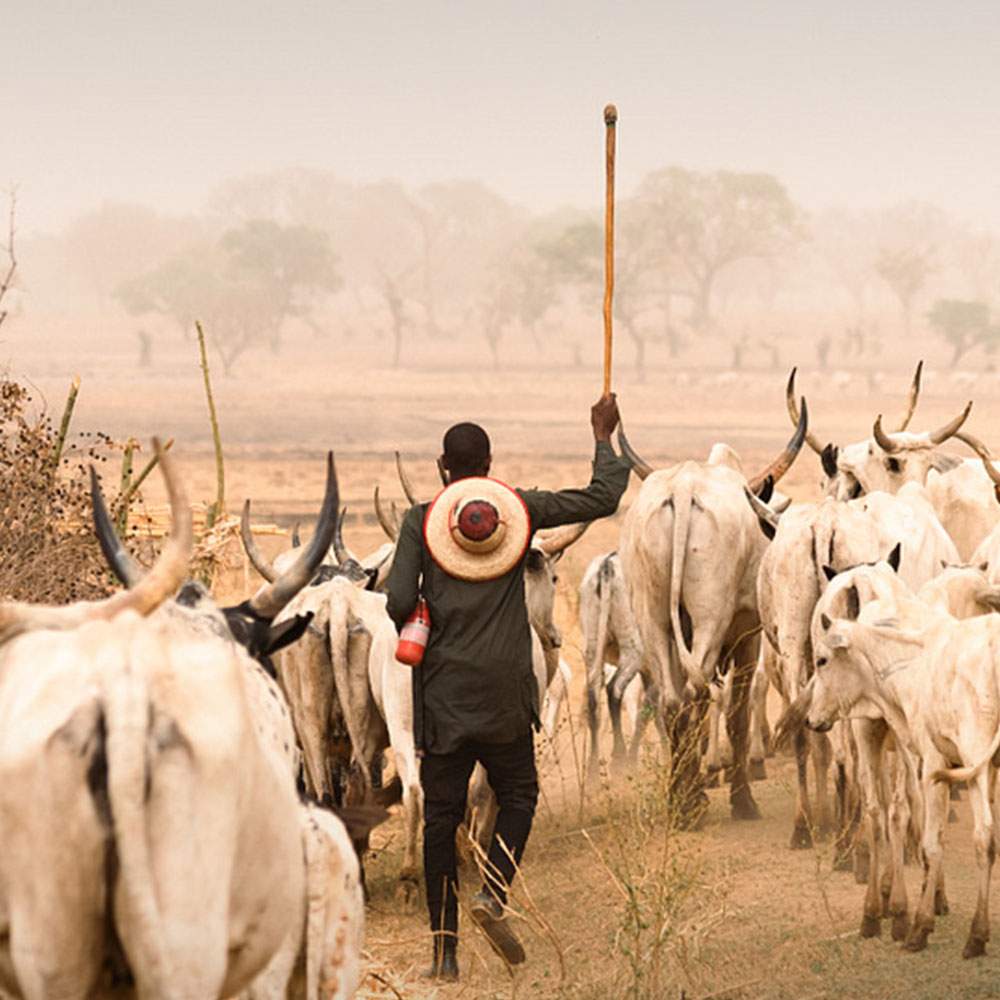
610 118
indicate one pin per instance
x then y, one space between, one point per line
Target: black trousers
510 768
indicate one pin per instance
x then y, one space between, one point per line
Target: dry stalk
530 913
218 508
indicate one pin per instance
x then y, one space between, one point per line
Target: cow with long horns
961 493
690 549
133 734
330 868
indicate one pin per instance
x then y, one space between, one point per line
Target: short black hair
466 448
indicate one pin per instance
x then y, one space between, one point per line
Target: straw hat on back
477 529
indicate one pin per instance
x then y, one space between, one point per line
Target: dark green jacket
476 679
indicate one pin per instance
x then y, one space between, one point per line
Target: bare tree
8 277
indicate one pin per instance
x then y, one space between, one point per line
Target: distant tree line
722 254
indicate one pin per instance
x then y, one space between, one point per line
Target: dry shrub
48 550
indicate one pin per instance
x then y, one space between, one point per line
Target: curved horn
116 555
883 440
269 601
296 541
383 519
339 548
557 541
951 428
639 467
780 465
914 393
983 452
148 593
257 560
170 569
793 412
404 480
768 518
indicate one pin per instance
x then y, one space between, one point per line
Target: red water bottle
413 636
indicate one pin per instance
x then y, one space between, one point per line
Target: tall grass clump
656 870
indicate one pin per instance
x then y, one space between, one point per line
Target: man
475 696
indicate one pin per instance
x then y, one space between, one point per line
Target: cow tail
604 586
127 712
339 638
682 525
953 775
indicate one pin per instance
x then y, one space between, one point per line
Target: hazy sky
860 103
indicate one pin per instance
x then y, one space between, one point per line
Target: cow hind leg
802 827
985 848
741 800
687 800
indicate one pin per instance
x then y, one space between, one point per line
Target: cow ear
286 632
853 603
829 572
895 556
829 459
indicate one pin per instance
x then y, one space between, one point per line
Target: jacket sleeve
403 584
598 499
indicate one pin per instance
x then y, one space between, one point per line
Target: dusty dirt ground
747 916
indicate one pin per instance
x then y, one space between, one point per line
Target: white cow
250 626
351 700
138 732
959 491
936 681
690 549
321 959
807 538
610 635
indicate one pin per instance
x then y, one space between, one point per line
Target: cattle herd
187 790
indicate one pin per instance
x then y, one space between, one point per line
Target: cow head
850 620
541 577
885 461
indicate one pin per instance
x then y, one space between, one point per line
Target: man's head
466 451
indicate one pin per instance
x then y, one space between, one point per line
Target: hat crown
477 519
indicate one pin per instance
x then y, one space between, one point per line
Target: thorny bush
48 550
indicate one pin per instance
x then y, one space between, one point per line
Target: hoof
974 947
744 807
870 926
917 939
801 838
900 926
756 770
